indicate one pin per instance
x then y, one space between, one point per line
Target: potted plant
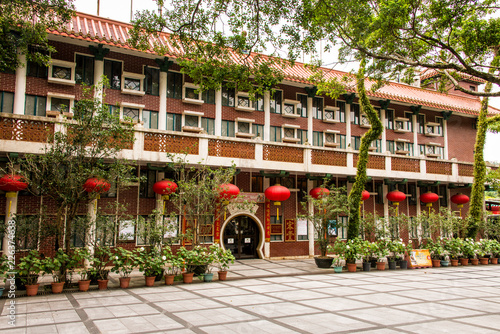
4 269
172 265
381 252
123 263
327 205
495 251
56 266
454 248
187 256
98 269
29 269
151 263
468 249
80 257
350 251
405 249
436 250
368 250
484 251
222 259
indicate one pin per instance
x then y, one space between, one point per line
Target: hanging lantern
319 192
227 192
428 198
164 188
396 196
365 195
95 185
277 193
495 209
12 184
460 199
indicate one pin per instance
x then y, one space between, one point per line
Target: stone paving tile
490 321
332 304
20 322
309 284
227 291
444 311
469 291
50 329
344 291
445 326
72 328
285 279
383 287
43 318
286 271
163 296
383 299
284 309
246 282
379 315
484 304
41 299
260 326
324 323
269 287
254 272
427 295
247 300
214 316
189 304
379 331
13 330
295 295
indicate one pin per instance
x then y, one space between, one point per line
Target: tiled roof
428 73
114 33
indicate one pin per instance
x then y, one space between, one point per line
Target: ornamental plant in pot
172 265
350 251
484 251
123 262
29 269
327 205
151 263
81 255
381 253
98 266
436 250
337 260
393 248
54 266
222 259
468 251
454 248
368 250
4 269
495 251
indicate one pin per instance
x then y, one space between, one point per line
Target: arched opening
241 235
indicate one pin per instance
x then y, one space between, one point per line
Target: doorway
241 236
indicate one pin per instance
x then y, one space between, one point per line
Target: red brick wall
461 138
7 82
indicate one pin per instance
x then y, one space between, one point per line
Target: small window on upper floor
302 105
35 105
228 95
276 102
7 102
317 108
84 70
133 83
389 119
62 72
150 119
174 85
152 81
355 113
113 71
60 105
472 88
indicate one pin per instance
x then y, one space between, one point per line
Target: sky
120 10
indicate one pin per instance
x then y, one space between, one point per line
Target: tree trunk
372 134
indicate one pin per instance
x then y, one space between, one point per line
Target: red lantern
165 187
12 183
365 195
495 209
428 198
460 199
95 185
277 193
319 192
396 196
228 191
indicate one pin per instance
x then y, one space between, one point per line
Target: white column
11 210
162 115
384 133
98 73
92 213
310 120
347 124
310 225
218 112
20 87
267 116
445 135
415 135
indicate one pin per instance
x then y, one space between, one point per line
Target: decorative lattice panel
374 161
465 170
158 142
283 154
330 158
25 130
405 165
231 149
438 167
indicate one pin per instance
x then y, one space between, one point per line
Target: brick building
427 144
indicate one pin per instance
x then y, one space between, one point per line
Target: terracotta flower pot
454 262
83 285
484 260
124 282
187 277
464 262
57 287
351 267
436 263
474 262
32 290
222 275
494 260
102 284
150 280
380 265
169 279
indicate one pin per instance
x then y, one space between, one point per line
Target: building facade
294 135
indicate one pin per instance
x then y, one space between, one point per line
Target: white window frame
243 134
333 133
137 76
433 155
362 123
290 139
49 112
405 142
335 110
295 113
198 101
62 63
251 108
186 128
405 124
435 126
133 106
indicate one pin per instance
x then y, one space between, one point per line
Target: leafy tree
24 24
86 147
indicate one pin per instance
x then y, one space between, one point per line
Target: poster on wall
302 226
419 258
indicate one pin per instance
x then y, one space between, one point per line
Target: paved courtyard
437 300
